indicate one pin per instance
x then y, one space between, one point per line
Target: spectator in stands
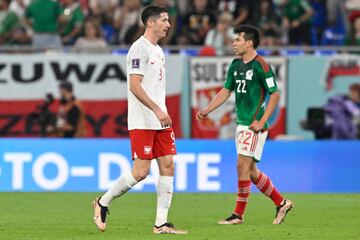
127 20
43 16
19 7
354 37
70 121
182 7
172 12
319 20
101 7
197 23
268 22
103 11
297 19
334 8
221 37
92 36
242 10
71 21
8 22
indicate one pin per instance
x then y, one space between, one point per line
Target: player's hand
202 114
257 126
164 118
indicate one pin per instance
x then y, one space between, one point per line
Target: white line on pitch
82 171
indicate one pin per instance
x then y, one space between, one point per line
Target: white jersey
147 60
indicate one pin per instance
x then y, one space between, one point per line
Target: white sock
164 196
120 187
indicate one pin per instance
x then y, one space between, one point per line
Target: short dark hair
66 86
250 33
152 11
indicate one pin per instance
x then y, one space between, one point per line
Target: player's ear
150 22
249 43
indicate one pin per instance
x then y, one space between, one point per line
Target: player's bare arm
140 94
219 99
257 126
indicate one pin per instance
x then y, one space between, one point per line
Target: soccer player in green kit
252 79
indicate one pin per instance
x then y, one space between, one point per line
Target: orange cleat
282 210
168 228
100 213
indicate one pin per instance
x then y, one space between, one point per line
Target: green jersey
251 82
45 14
294 9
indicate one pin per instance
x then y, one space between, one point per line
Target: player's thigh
164 143
249 143
142 143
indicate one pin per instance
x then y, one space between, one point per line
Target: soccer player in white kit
149 124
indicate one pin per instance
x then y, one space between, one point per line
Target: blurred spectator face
264 7
224 22
357 25
162 2
200 5
132 4
91 30
269 40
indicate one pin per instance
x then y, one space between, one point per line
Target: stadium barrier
35 165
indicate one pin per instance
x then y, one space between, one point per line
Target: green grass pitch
69 216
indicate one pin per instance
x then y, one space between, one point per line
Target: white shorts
249 143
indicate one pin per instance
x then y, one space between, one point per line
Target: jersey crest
249 74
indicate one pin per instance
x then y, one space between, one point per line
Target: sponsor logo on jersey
147 150
135 63
249 74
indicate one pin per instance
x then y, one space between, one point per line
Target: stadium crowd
99 23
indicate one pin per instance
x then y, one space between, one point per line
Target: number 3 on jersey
241 86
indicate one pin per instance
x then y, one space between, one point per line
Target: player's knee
167 170
141 174
243 166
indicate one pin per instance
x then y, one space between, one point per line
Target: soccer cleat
100 213
168 228
282 210
232 220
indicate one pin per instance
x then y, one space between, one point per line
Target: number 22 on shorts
245 137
